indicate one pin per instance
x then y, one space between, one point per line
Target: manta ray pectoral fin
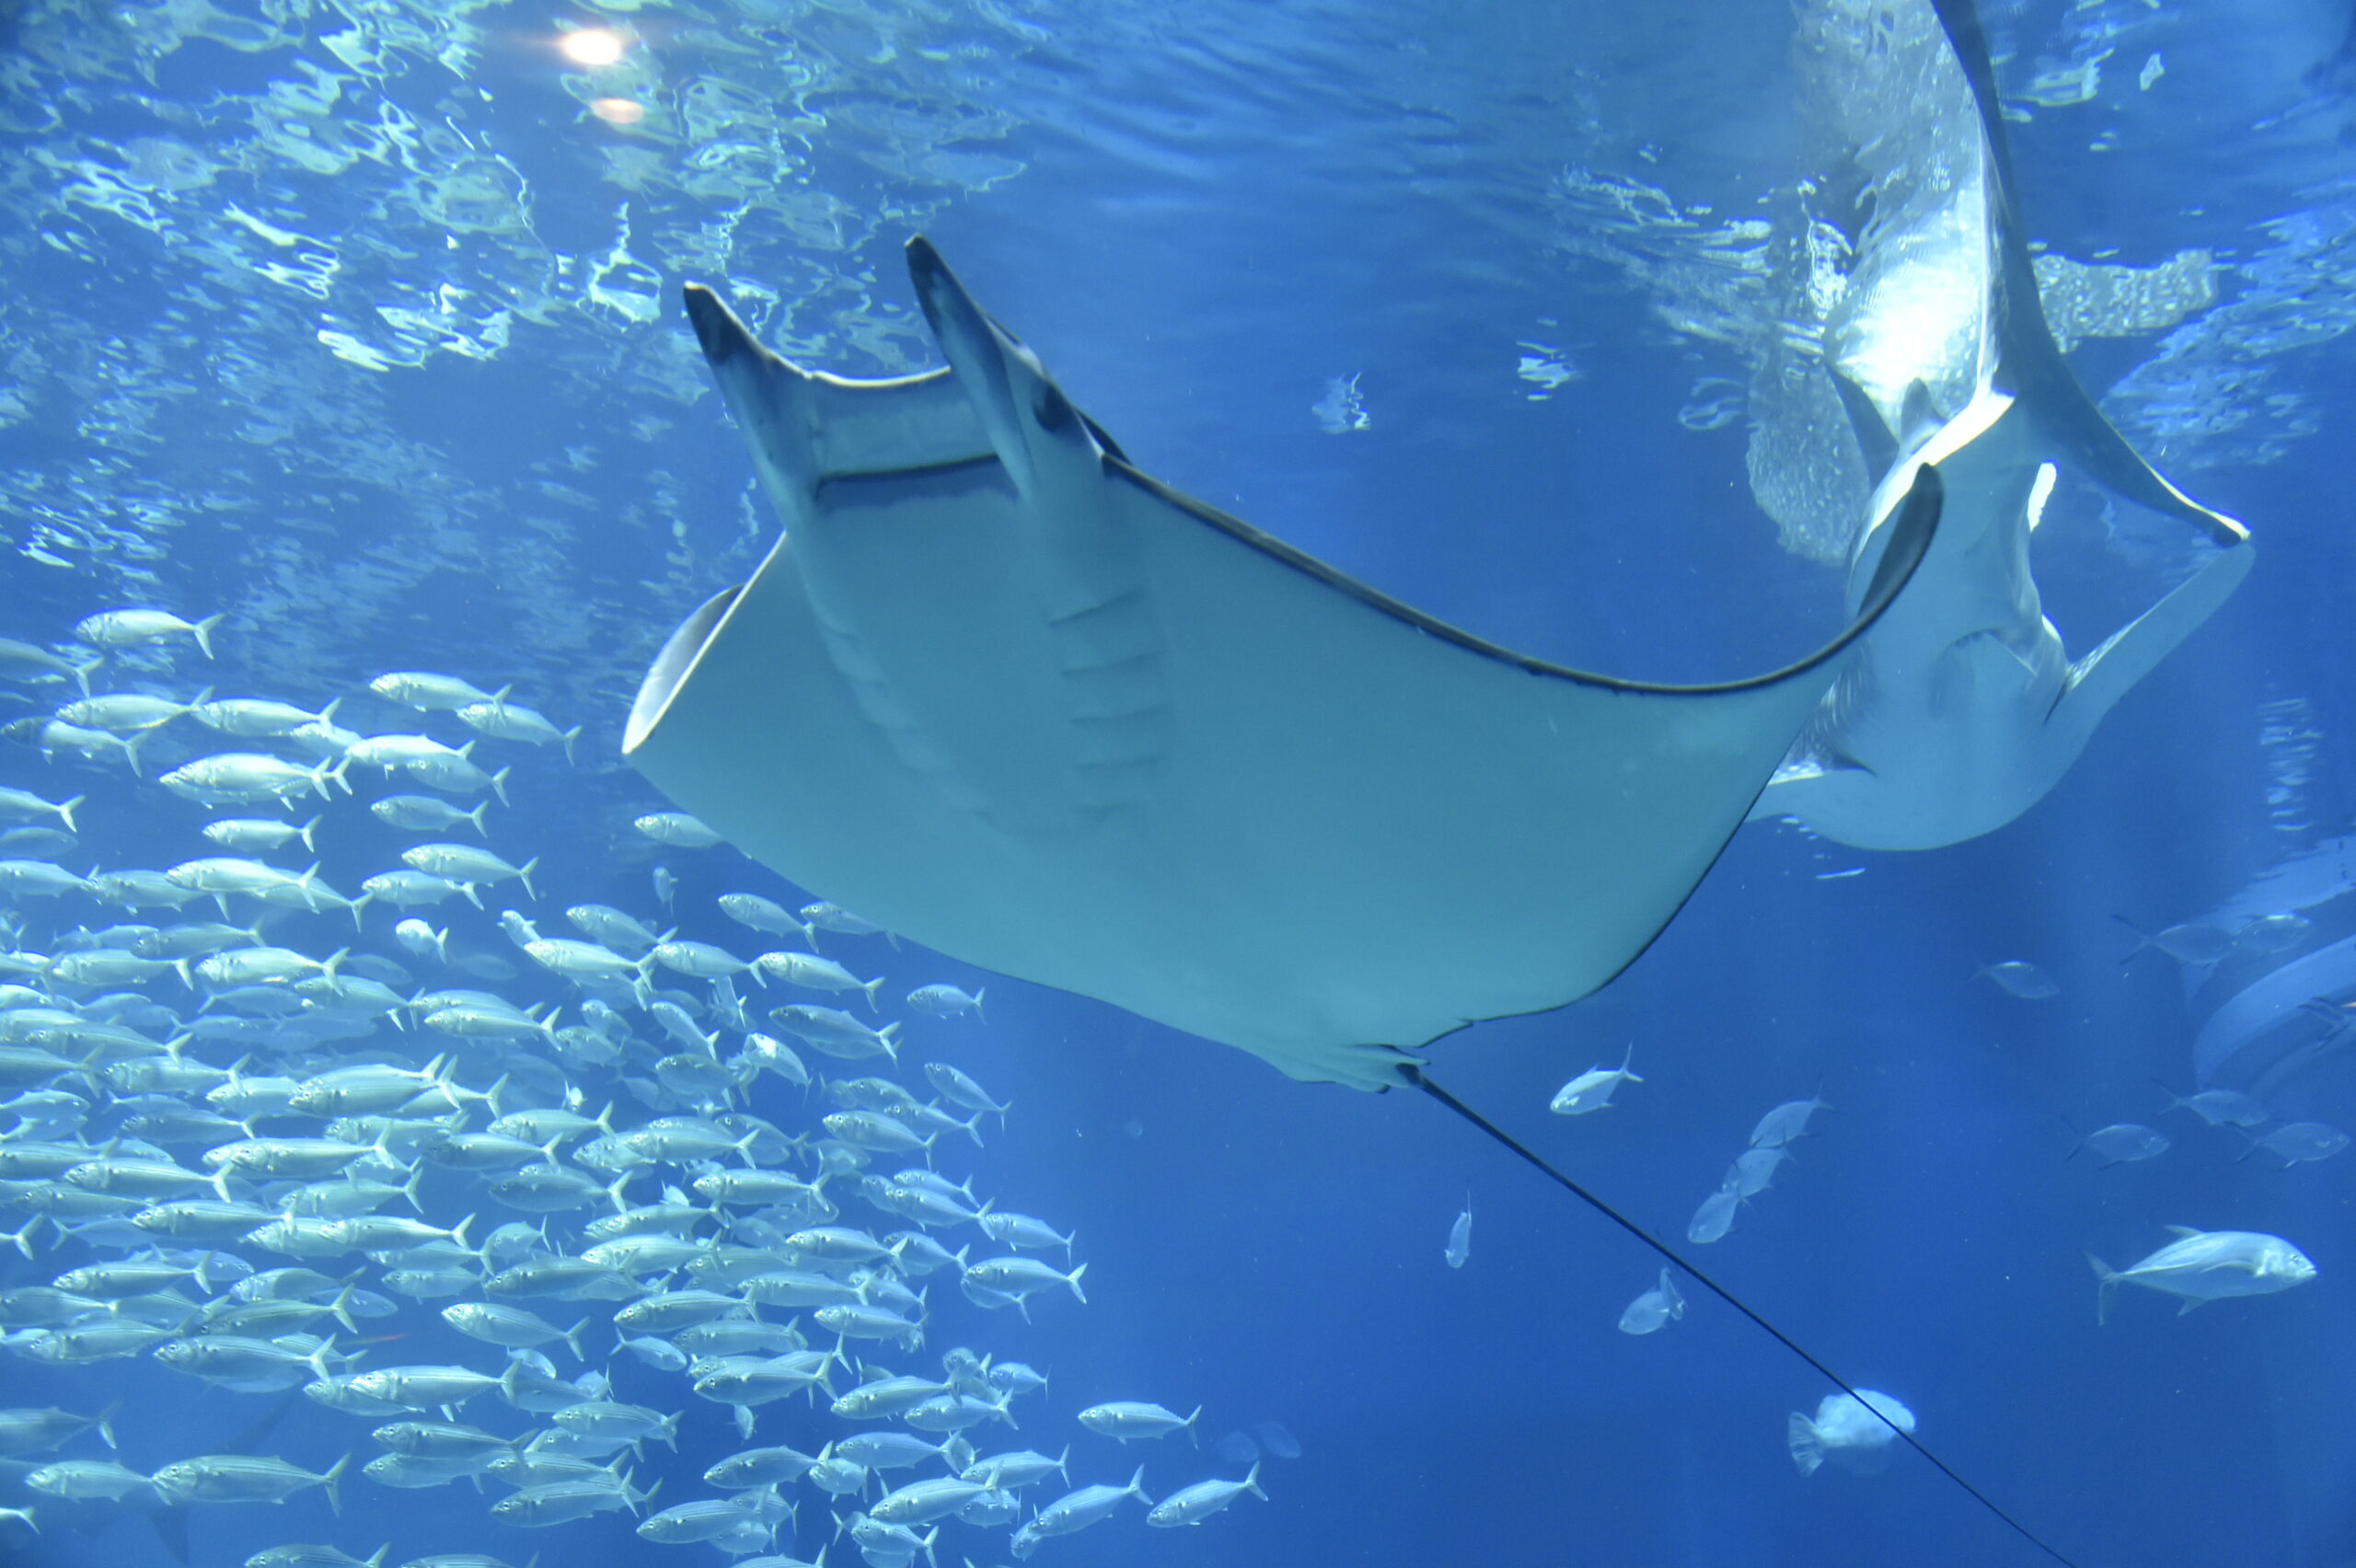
2103 676
1044 713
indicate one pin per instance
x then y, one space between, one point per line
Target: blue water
348 322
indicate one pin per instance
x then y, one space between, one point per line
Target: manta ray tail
1421 1079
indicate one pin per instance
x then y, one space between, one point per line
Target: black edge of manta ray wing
1910 536
1112 448
2030 360
1911 533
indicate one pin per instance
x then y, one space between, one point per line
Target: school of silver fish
239 1125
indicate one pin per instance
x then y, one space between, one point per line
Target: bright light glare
593 46
618 111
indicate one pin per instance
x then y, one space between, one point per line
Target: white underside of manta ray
999 691
1962 708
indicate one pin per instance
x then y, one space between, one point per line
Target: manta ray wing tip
946 305
718 331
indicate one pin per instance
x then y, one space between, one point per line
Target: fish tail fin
1137 1487
2143 942
204 630
106 1423
377 1558
131 751
1808 1449
475 817
871 988
499 788
1251 1482
341 1309
568 737
2108 1286
1072 1279
1189 1424
333 1484
24 1239
65 813
524 875
304 833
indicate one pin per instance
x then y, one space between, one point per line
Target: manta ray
1962 708
1002 692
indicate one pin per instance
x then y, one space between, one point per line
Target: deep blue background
1214 213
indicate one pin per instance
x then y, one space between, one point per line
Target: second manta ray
1962 710
1003 693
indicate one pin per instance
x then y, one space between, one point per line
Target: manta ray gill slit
1416 1076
